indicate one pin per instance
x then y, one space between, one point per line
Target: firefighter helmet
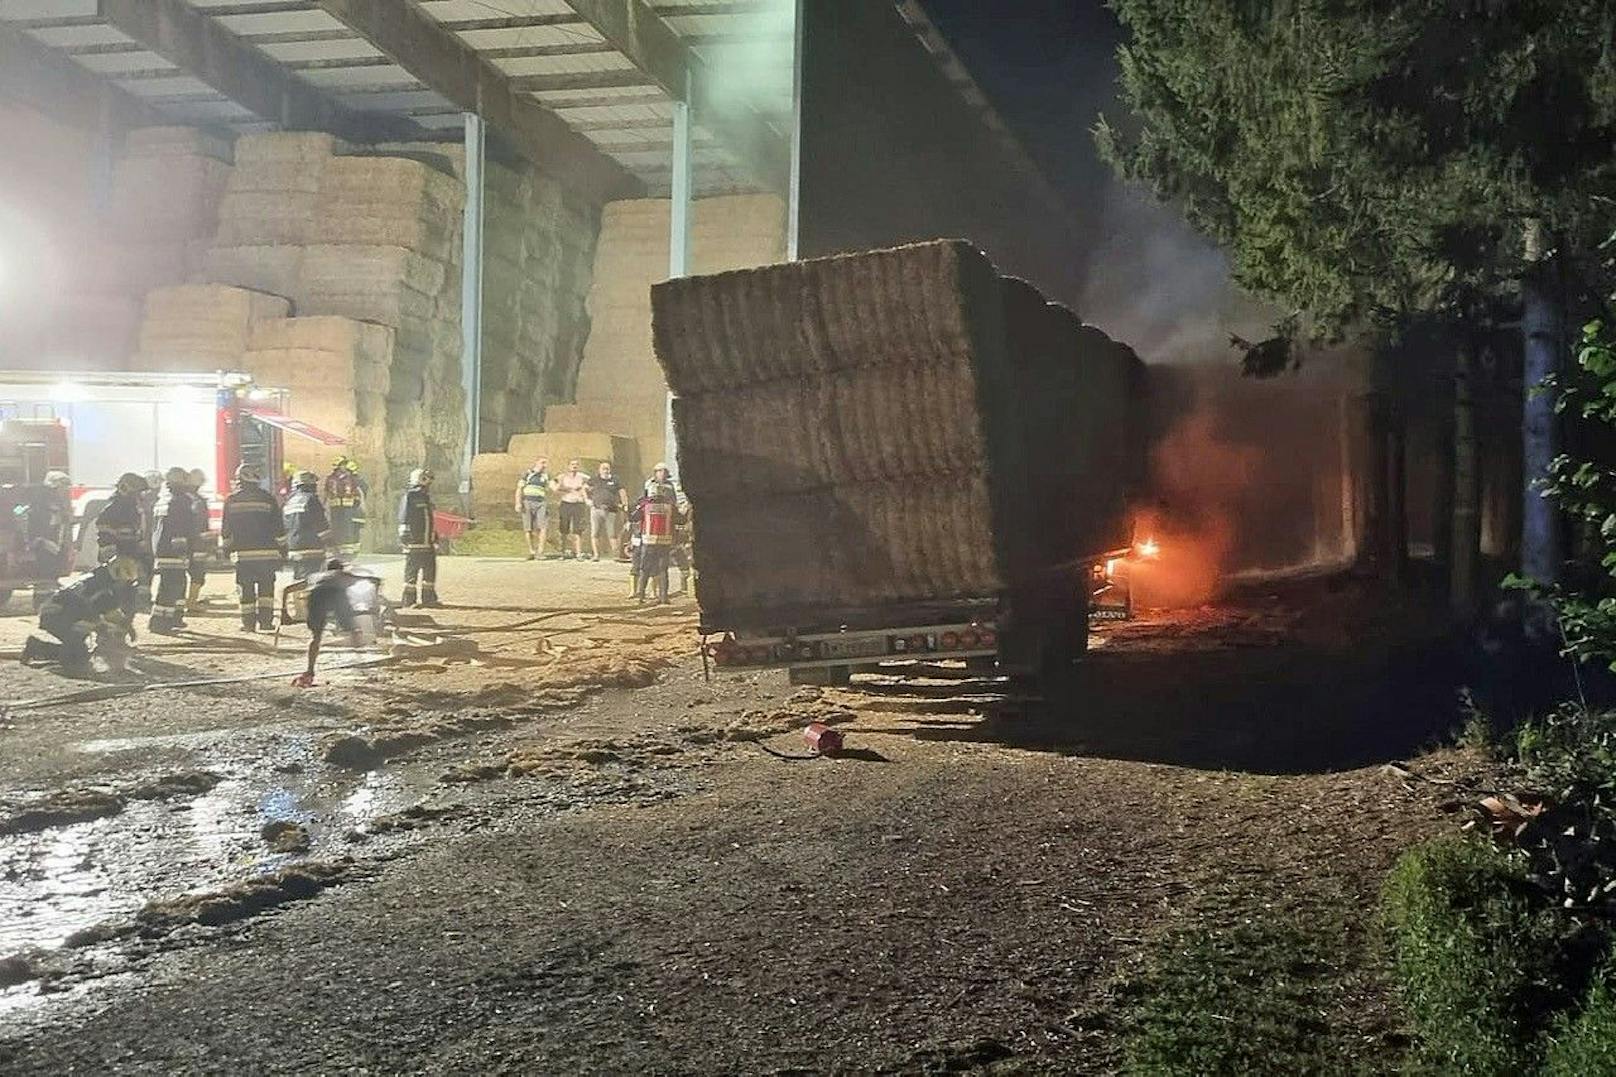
130 483
177 476
57 480
248 474
199 477
421 476
305 478
340 462
353 466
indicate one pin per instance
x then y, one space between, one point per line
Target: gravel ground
540 841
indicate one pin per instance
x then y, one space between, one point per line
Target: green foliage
1570 758
1484 962
490 542
1236 1001
1369 160
1583 1044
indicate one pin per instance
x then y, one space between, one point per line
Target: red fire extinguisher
822 738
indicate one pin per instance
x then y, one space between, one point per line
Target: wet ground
533 837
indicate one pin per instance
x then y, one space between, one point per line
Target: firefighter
122 521
48 532
103 602
252 535
206 543
360 517
308 529
418 534
345 501
176 531
657 512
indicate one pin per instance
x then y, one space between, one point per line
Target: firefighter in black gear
308 529
345 498
103 602
252 535
202 550
48 533
121 522
177 528
419 536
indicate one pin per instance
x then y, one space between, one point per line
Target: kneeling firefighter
177 527
252 535
103 602
345 598
418 534
308 528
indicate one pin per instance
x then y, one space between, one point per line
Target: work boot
248 624
163 624
33 650
407 599
266 618
193 596
429 599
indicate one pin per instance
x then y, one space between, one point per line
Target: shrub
1584 1044
1483 960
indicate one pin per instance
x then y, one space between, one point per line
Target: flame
1149 549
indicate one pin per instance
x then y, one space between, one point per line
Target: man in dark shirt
607 500
346 600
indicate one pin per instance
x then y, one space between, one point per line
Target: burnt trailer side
868 435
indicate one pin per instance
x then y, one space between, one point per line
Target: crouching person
346 600
102 603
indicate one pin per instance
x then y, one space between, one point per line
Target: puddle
66 879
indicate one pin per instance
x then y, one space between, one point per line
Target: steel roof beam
511 22
201 47
45 79
640 33
443 62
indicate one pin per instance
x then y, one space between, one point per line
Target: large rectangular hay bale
273 269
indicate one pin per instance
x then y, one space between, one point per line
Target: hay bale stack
201 326
890 427
274 192
171 197
274 268
390 201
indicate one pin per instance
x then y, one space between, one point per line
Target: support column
471 291
794 195
679 218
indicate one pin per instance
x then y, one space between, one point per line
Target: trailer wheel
822 676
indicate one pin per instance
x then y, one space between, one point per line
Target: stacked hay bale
619 381
163 202
194 327
858 431
338 372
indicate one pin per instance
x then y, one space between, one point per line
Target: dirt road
540 841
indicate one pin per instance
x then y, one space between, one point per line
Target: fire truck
97 425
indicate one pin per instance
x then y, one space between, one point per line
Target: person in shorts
573 487
607 501
533 505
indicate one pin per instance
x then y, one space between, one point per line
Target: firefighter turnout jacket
94 602
307 527
343 490
119 524
416 530
253 531
176 528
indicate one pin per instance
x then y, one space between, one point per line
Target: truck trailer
897 455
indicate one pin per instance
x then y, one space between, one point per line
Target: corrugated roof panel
281 22
352 48
47 9
339 79
177 86
563 65
122 63
68 37
528 37
460 10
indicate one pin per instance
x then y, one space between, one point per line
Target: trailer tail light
970 639
949 641
917 642
989 638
